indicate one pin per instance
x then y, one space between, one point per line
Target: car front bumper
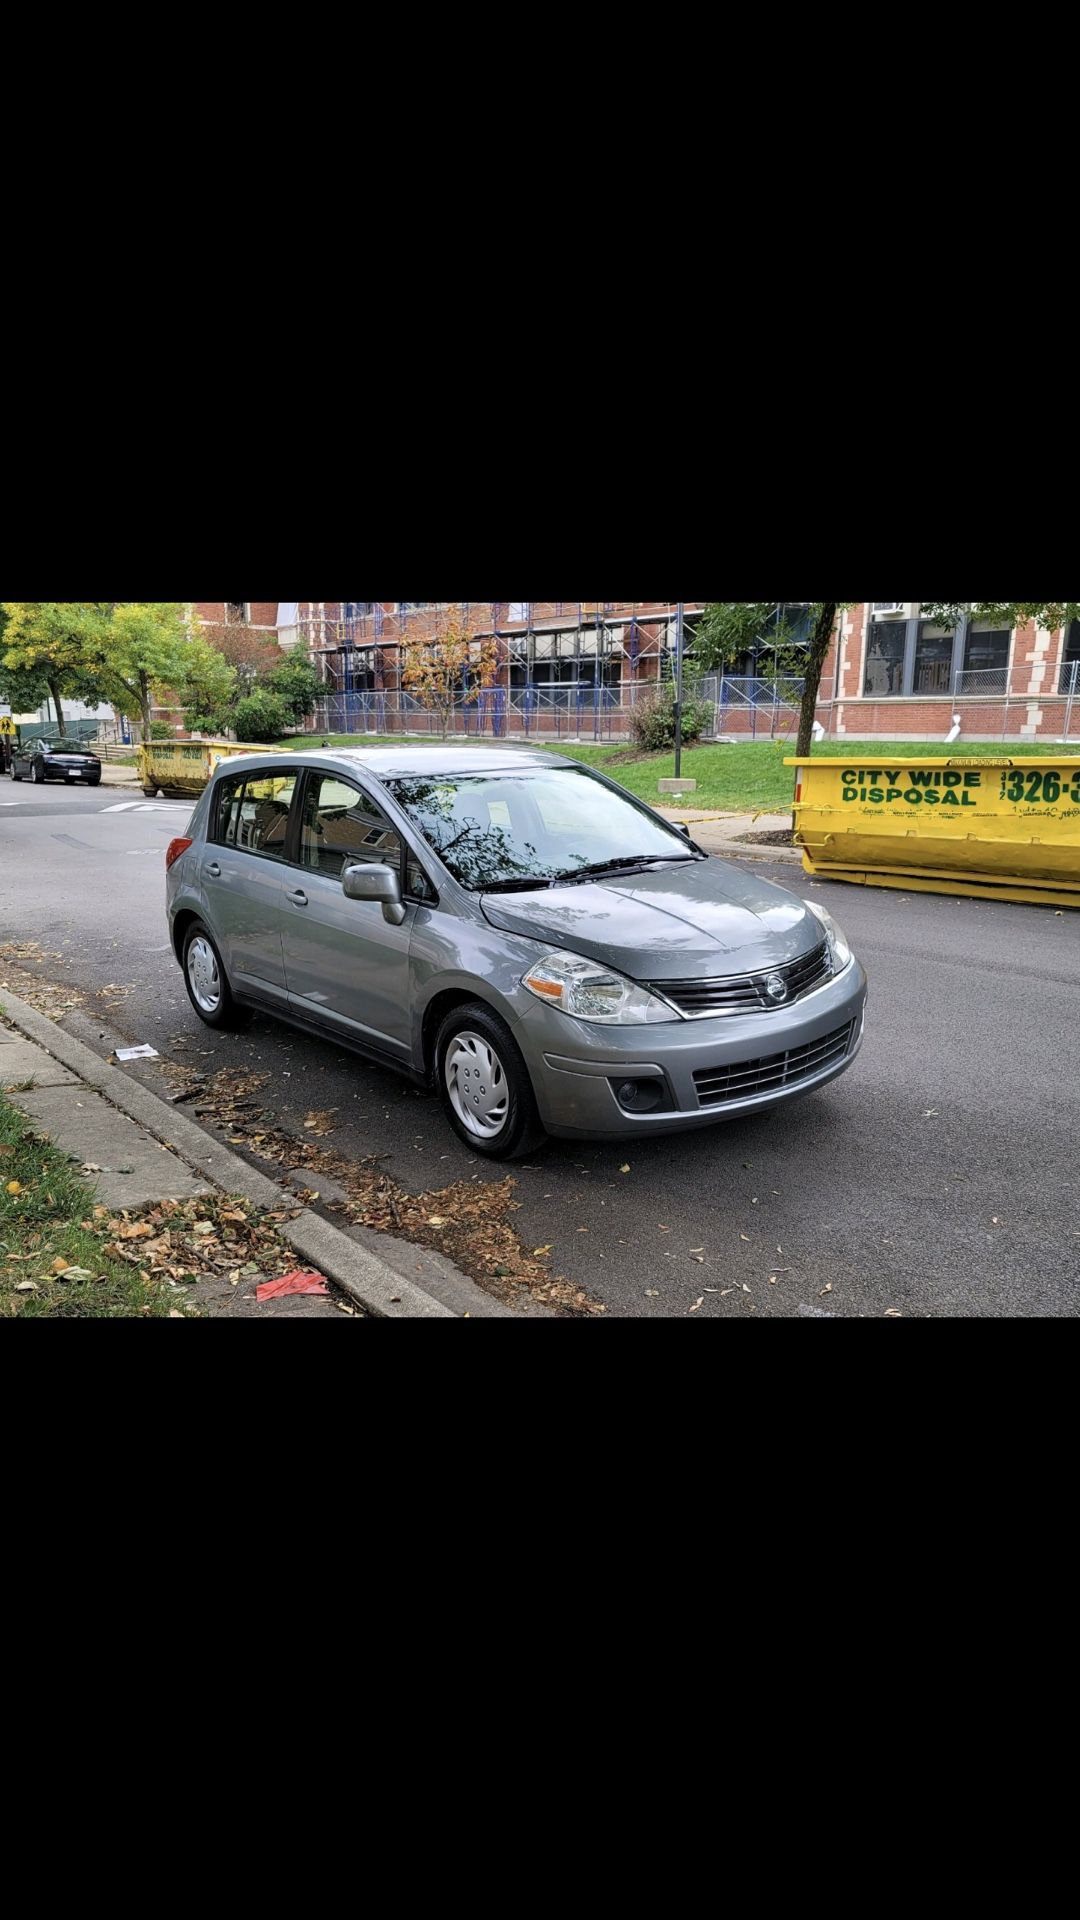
745 1063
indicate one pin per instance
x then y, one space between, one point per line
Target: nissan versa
514 929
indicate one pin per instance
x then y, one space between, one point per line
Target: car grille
747 992
740 1079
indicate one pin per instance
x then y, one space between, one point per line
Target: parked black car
58 759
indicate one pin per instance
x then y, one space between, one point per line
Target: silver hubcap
477 1084
203 974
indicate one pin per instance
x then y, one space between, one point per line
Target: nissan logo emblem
776 986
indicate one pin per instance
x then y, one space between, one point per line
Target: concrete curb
738 850
370 1281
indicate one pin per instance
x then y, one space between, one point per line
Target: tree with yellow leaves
449 668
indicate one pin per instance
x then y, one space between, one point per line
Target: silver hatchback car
513 929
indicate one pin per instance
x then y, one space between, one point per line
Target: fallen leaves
14 1186
698 1304
320 1124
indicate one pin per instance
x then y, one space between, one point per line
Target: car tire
151 793
36 775
207 982
15 776
94 783
503 1122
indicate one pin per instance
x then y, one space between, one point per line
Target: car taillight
173 851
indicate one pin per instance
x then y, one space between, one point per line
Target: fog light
639 1096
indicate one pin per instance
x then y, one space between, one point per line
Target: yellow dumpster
181 768
1000 829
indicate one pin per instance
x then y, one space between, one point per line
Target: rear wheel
207 982
484 1084
14 775
36 775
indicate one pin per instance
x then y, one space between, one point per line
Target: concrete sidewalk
139 1151
724 833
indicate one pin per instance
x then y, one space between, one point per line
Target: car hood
679 923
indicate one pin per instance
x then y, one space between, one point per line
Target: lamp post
678 687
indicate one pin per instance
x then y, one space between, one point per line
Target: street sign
7 724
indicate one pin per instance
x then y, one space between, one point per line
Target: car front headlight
834 934
590 992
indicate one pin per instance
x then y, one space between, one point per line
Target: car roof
388 763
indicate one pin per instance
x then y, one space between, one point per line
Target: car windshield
534 827
66 746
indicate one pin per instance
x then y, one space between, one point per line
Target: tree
449 668
254 655
206 687
141 648
51 639
296 682
22 688
260 716
1051 614
730 628
122 651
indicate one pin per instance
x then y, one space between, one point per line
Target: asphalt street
939 1177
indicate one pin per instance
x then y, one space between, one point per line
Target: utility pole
678 687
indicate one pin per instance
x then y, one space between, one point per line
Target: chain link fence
989 705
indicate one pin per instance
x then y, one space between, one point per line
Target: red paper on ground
295 1282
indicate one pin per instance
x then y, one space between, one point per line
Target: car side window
253 815
342 826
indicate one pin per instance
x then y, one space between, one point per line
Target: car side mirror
681 826
376 882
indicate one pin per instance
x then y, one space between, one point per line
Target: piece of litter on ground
137 1053
290 1283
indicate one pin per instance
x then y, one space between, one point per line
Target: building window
987 649
933 659
916 660
1071 661
885 650
414 606
519 610
555 683
237 612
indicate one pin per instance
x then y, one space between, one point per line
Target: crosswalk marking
145 806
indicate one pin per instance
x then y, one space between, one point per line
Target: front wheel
36 775
14 775
207 982
484 1084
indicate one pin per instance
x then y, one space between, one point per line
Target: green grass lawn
43 1204
748 778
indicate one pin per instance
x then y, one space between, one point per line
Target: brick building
563 665
893 675
576 669
262 615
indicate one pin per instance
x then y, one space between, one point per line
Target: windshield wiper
521 884
633 863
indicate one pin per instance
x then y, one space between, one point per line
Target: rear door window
252 815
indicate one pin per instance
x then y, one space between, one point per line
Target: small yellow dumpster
1000 829
180 769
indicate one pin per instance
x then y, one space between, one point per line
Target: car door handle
299 898
214 870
